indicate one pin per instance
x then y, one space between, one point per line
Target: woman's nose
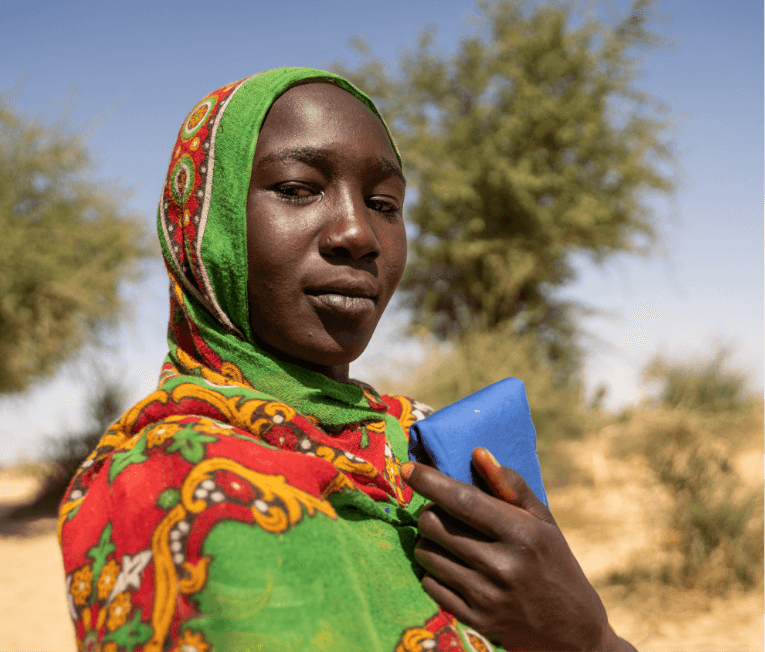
349 233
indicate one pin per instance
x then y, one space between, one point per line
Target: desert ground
609 521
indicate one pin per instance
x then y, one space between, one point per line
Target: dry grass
713 518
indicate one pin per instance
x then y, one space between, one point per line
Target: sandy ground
607 523
32 603
613 522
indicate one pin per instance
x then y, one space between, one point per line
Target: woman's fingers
491 472
462 501
448 599
500 564
444 566
509 486
466 545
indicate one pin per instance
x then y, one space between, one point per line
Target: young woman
257 500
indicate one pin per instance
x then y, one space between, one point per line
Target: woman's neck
337 373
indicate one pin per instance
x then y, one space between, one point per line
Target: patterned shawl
248 503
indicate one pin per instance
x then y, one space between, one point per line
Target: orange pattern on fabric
106 580
229 374
478 642
81 583
279 507
160 433
407 418
191 642
413 638
118 611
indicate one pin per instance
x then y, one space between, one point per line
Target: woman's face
326 242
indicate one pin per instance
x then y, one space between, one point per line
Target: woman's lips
343 304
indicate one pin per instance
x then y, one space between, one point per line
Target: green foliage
67 244
715 522
712 519
529 144
705 385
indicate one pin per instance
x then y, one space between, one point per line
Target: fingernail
406 470
491 458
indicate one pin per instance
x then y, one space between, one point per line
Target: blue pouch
497 418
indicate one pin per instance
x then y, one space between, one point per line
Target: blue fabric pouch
497 418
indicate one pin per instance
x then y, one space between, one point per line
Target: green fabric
291 598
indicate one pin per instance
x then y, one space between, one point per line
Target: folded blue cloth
497 418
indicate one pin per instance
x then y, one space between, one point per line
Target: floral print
150 577
160 433
235 486
107 578
214 428
118 611
282 437
81 583
191 642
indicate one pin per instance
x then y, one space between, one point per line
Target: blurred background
584 212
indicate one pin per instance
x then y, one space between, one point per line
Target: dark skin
326 248
326 241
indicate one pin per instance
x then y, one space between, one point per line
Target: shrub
706 385
716 524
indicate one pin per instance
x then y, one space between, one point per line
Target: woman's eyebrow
309 155
389 167
320 159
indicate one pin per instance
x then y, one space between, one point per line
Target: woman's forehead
320 108
319 91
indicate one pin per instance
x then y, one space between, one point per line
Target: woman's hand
501 565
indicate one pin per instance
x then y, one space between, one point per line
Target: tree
66 245
528 145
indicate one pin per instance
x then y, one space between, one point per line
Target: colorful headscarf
248 503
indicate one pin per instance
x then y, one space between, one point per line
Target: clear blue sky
139 67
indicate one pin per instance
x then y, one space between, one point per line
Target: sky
128 73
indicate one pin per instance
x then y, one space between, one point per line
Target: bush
705 385
716 523
712 515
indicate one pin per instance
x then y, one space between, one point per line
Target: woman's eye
293 192
383 206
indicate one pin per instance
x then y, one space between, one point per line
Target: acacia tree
66 243
529 144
